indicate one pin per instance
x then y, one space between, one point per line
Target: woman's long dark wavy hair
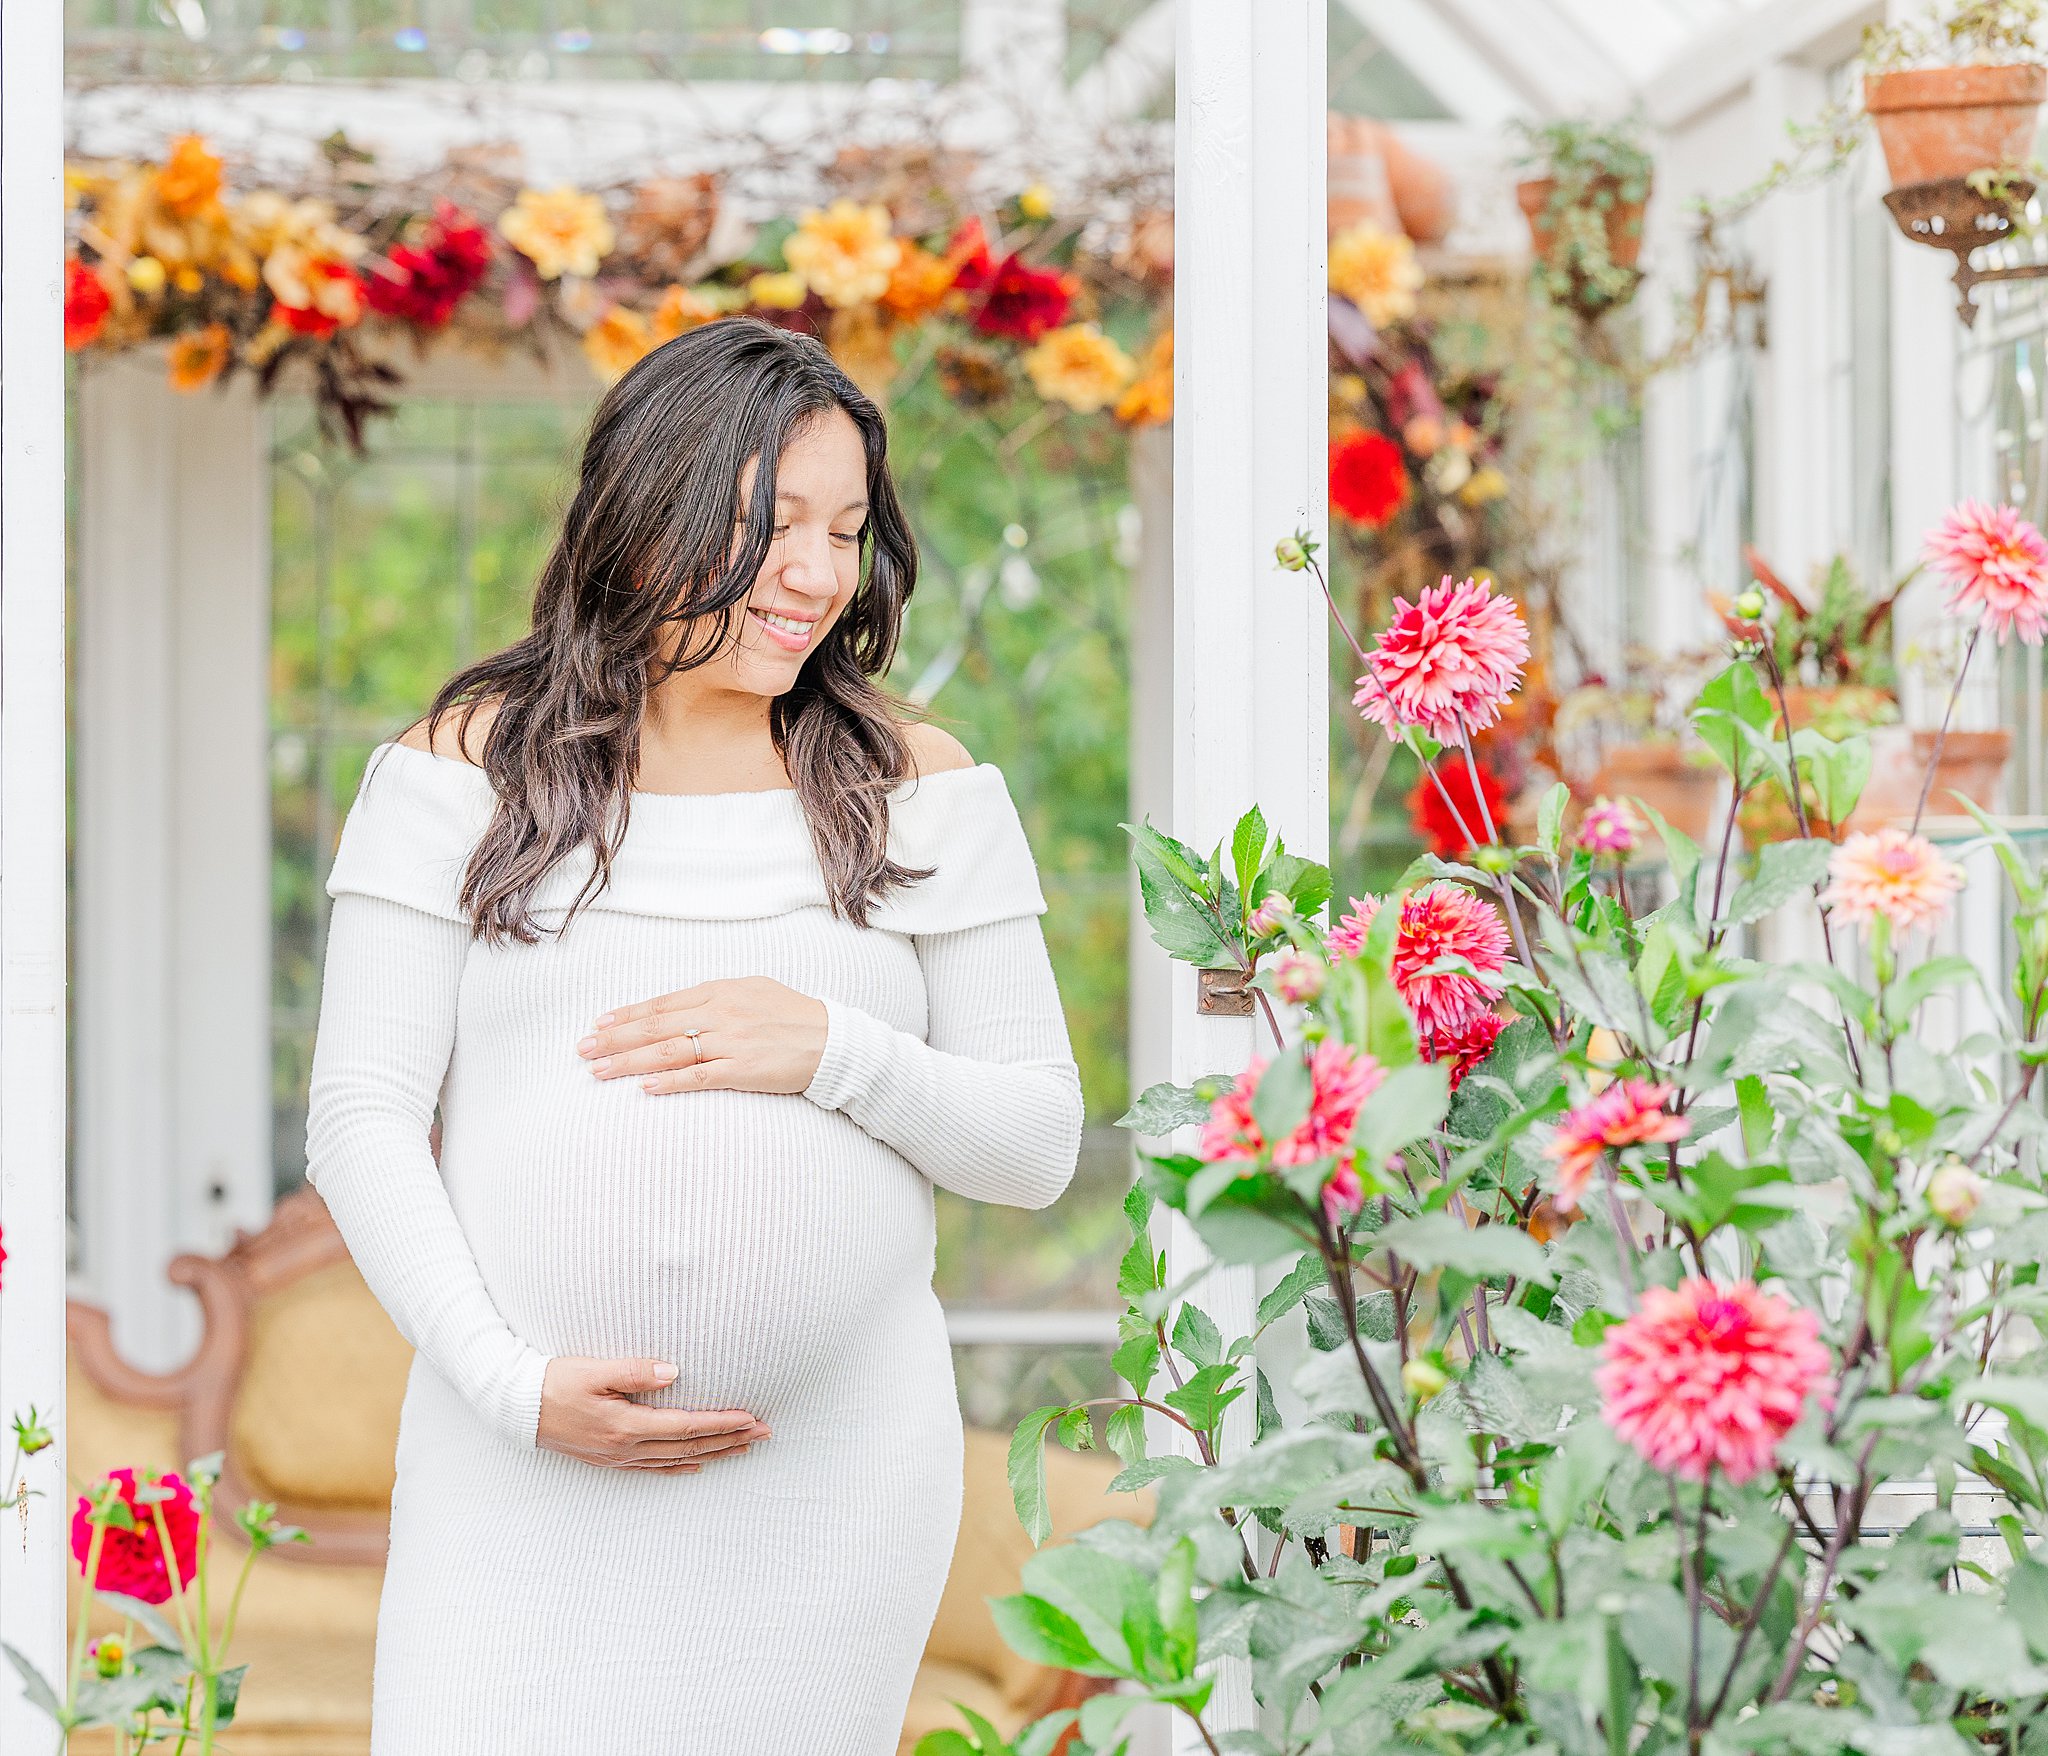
647 542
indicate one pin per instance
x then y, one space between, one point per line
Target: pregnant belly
750 1238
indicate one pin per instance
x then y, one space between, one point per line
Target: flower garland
1001 305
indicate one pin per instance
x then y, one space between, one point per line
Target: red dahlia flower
1368 478
423 283
132 1561
85 303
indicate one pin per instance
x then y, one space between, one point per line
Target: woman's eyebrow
801 501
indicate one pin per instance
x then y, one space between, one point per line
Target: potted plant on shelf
1827 669
1632 740
1956 91
1585 201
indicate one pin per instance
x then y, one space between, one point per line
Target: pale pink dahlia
1298 977
1451 657
1440 920
1609 827
1711 1376
1266 918
1630 1112
1997 563
1341 1078
1902 877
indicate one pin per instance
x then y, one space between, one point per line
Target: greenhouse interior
1522 731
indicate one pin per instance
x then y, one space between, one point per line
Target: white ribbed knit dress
777 1248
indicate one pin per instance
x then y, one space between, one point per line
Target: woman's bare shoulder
933 751
460 734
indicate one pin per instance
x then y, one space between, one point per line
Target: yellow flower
919 284
1487 483
844 252
1079 366
1376 270
189 183
1036 202
681 310
616 342
199 358
560 231
188 280
777 292
1149 400
146 275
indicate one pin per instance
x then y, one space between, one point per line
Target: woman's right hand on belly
587 1411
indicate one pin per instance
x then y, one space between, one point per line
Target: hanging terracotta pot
1664 777
1942 122
1624 218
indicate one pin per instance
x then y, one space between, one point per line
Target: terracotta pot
1972 764
1661 775
1836 710
1423 193
1624 219
1937 122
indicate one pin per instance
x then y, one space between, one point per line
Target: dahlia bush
1648 1357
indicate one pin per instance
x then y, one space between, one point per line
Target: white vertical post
32 1106
1250 670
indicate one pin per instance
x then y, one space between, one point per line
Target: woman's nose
807 564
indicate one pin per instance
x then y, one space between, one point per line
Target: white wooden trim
1442 60
32 1097
1706 73
172 839
1250 709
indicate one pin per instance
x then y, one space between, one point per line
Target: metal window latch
1221 993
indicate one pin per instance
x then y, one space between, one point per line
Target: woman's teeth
786 632
788 624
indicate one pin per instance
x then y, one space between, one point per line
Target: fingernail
604 1020
601 1065
665 1372
586 1045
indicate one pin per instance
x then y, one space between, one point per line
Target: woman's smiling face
813 563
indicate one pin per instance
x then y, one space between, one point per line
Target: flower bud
1750 605
1955 1192
1498 861
1036 202
109 1655
1423 1378
1266 918
1343 1195
1290 554
31 1435
1298 977
147 275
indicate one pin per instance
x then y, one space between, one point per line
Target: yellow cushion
993 1548
316 1421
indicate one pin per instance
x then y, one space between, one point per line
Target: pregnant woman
715 969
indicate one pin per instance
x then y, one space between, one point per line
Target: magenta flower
1343 1196
1341 1078
1451 658
1711 1376
1463 1049
1438 921
1902 877
1609 827
1996 563
1630 1112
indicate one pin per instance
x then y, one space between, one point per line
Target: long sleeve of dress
386 1032
988 1102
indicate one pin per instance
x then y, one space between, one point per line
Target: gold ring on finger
696 1047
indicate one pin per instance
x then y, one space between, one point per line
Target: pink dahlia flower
1711 1376
1996 563
1452 657
1298 977
1341 1078
1440 920
1343 1196
1902 877
1463 1049
1630 1112
1609 827
1265 919
132 1561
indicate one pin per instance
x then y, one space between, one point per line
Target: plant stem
1941 737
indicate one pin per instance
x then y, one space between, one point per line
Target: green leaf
1303 1278
1303 882
1204 1397
1138 1273
1136 1360
1283 1094
1075 1430
1178 905
1162 1108
1783 870
1125 1431
1248 854
1922 981
1441 1240
1174 1599
151 1618
227 1693
1036 1630
1681 852
1027 1471
946 1742
1409 1102
1196 1337
1759 1119
1550 818
40 1694
1731 702
1839 770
